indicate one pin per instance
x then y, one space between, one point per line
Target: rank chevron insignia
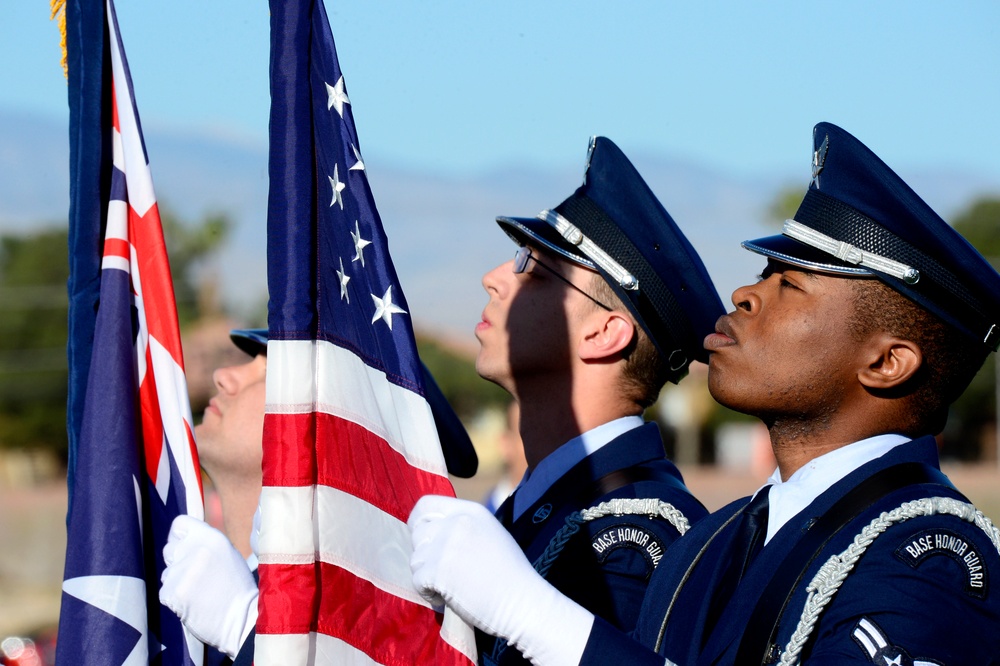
880 651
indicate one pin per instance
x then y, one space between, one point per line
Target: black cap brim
790 251
253 341
534 231
459 454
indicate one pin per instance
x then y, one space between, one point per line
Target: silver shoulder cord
831 576
653 508
622 506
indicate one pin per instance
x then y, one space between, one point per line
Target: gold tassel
59 13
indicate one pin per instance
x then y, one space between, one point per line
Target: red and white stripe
347 454
134 243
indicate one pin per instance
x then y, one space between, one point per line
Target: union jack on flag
349 440
135 467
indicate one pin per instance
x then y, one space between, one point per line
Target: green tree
33 308
188 245
980 225
33 322
455 373
975 412
784 205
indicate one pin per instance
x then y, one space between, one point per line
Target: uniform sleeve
609 566
608 645
245 655
920 594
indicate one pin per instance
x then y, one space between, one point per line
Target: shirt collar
787 498
553 466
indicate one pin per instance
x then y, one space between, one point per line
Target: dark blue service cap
253 341
859 218
459 454
615 225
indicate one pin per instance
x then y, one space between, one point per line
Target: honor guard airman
604 302
871 317
207 581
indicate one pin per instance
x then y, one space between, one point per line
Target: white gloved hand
208 585
252 561
464 557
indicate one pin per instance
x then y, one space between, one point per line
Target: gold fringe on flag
59 14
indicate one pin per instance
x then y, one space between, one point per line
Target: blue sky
467 110
454 87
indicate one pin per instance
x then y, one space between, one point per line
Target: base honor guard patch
628 536
870 637
916 549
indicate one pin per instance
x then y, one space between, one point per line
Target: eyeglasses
521 258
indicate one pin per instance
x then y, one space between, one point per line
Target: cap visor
533 231
790 251
253 341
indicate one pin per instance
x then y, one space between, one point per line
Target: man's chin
483 369
491 375
726 393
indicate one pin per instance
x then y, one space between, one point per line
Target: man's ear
605 335
890 362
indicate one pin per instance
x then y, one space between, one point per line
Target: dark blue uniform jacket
921 594
607 565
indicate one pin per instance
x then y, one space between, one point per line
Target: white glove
208 584
252 561
464 557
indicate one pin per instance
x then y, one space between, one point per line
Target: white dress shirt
553 466
787 498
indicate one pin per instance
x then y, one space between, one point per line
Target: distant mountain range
440 227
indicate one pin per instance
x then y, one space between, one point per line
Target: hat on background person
859 218
614 224
253 341
459 454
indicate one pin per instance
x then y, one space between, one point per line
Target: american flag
135 467
349 440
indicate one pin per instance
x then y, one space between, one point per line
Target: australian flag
350 443
133 464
